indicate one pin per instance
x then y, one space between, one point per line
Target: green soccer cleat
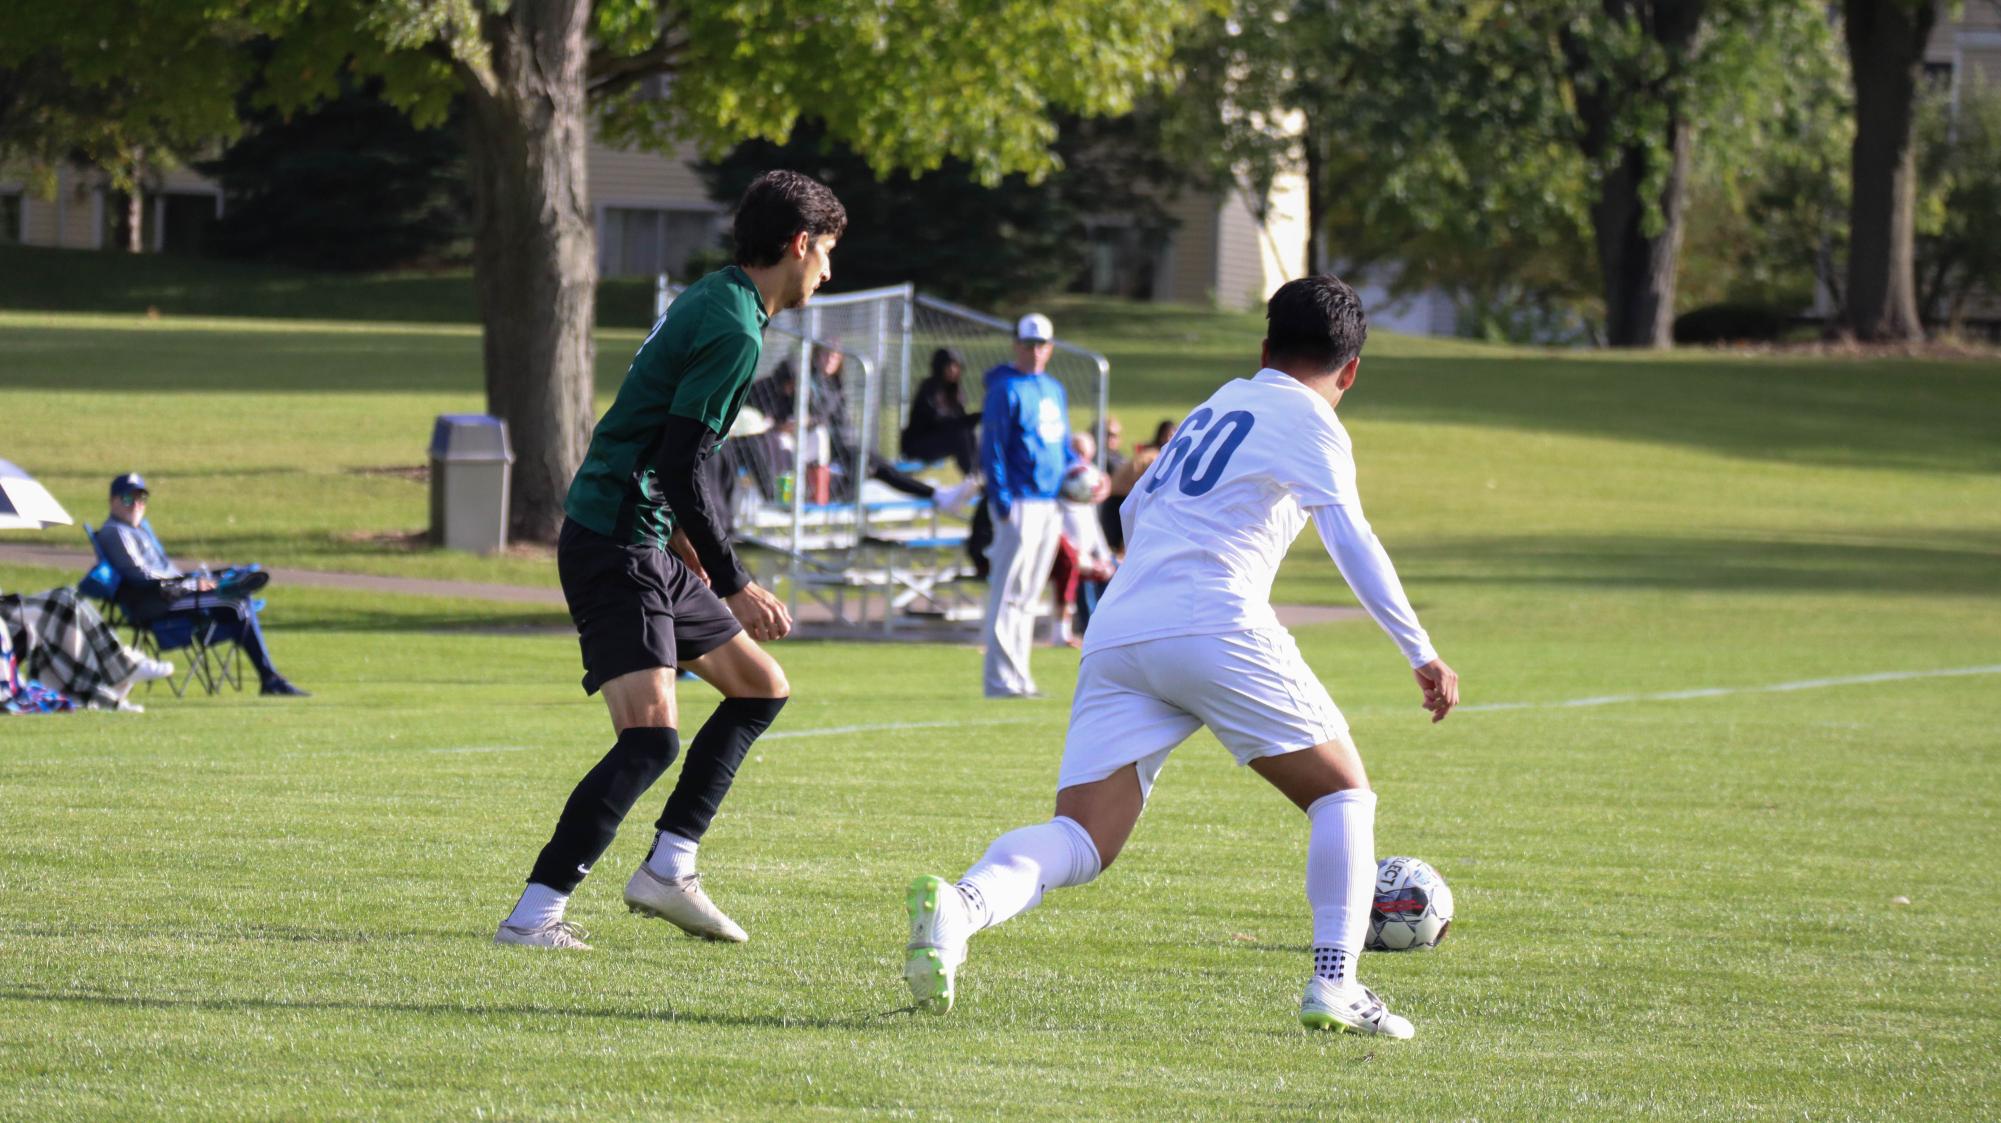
938 931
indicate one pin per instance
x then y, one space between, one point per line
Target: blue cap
127 484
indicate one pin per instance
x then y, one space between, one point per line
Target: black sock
590 819
713 757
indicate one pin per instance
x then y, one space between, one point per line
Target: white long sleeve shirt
1209 523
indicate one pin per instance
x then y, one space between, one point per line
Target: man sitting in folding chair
150 587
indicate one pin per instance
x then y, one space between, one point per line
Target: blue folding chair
206 659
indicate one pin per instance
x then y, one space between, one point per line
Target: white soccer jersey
1208 524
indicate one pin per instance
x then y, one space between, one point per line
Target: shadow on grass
43 279
446 1009
1949 564
1879 414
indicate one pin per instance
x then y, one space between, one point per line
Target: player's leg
1120 736
626 636
1272 705
754 689
642 710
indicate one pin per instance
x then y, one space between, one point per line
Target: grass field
1669 907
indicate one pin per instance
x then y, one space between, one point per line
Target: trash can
471 461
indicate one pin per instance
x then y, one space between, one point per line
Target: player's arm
698 512
686 440
1365 565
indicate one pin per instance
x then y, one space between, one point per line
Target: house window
11 233
643 241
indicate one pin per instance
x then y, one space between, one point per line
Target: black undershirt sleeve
677 467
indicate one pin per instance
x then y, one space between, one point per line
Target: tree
1886 51
907 85
1472 142
1957 250
126 90
350 184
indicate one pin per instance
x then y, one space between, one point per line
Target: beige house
1966 48
83 213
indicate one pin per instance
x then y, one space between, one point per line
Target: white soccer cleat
680 901
1353 1008
555 934
939 929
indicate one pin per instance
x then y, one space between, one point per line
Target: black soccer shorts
635 607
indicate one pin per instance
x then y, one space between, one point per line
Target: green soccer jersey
697 363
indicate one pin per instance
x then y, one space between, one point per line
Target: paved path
1291 615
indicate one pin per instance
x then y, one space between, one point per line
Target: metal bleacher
870 559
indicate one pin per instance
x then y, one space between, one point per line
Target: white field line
783 734
1724 691
837 730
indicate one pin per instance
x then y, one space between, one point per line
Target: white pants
1136 702
1023 549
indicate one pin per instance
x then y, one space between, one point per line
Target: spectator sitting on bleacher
940 428
150 586
777 397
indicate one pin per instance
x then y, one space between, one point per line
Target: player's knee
767 680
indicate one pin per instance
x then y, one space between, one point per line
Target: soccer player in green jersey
653 584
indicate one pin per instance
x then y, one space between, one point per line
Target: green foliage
128 88
906 86
349 184
1959 217
1459 144
1030 239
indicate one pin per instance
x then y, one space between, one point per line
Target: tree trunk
135 221
1639 268
534 254
1886 50
1316 199
135 206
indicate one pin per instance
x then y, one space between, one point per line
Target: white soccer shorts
1137 701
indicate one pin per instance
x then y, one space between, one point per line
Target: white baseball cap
1034 328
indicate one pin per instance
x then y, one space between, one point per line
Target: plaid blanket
60 640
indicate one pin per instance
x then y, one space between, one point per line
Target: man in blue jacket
1024 452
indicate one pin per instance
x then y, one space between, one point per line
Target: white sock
539 905
1340 878
673 856
1010 878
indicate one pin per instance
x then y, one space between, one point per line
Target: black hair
942 358
778 205
1315 320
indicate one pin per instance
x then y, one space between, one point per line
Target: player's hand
1441 688
761 614
685 550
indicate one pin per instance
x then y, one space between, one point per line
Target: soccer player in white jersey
1186 637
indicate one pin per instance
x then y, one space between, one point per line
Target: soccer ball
1082 483
1413 906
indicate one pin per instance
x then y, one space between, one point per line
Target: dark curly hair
778 205
1316 320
